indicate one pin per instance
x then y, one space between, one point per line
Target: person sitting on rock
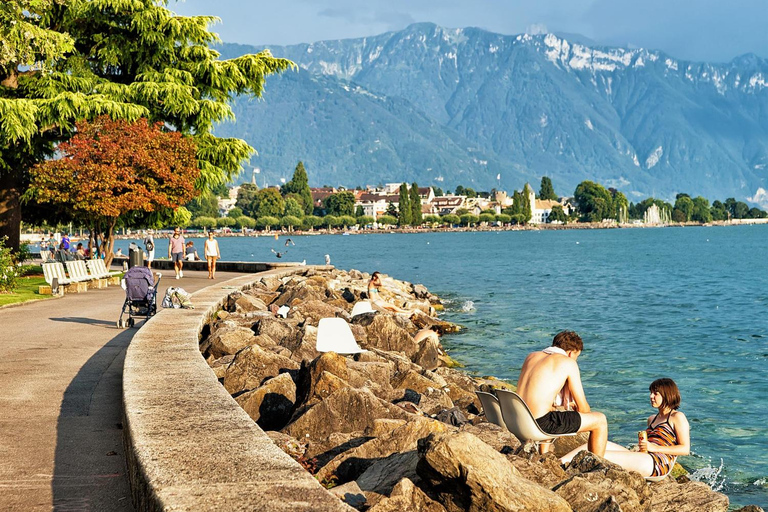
667 435
380 303
553 374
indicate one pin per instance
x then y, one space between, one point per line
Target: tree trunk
10 210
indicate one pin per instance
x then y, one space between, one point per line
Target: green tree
487 217
61 62
594 201
469 219
415 204
359 211
311 221
392 210
340 203
347 220
684 204
718 211
293 208
461 211
267 221
364 220
299 185
225 222
503 218
557 215
245 222
432 220
387 220
701 210
451 219
246 196
235 212
527 211
437 191
741 210
547 191
620 206
268 202
203 222
330 221
404 207
290 222
730 206
756 213
205 205
220 190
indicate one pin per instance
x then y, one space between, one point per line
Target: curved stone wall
189 446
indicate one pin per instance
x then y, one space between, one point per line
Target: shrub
487 217
311 221
364 220
225 222
451 219
9 271
503 218
244 221
290 221
203 222
468 219
387 220
330 221
347 220
267 221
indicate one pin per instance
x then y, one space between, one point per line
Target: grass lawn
27 289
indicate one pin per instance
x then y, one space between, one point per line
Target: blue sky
709 30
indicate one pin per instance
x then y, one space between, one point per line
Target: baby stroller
140 295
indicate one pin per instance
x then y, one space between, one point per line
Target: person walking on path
176 251
149 244
211 254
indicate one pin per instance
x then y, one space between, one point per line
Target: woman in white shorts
211 254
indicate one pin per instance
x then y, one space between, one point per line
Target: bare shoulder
678 418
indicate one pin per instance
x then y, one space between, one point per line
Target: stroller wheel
130 322
120 323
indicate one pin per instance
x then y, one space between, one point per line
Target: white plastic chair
491 408
520 421
334 335
362 307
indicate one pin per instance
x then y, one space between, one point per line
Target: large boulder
307 347
295 294
270 405
284 333
465 474
229 341
346 410
385 333
686 497
407 497
249 303
543 470
498 438
428 355
349 465
320 378
372 375
314 310
597 483
383 474
252 366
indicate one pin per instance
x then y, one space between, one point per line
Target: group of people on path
550 383
179 250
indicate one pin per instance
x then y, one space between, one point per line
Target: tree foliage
594 201
340 203
557 215
268 202
299 185
61 62
246 196
112 171
404 206
547 191
204 205
415 204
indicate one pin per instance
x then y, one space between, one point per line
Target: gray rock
466 474
252 366
407 497
270 405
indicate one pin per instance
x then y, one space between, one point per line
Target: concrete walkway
61 364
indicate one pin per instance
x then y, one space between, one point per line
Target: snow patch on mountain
654 157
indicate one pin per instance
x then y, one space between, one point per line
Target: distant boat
345 233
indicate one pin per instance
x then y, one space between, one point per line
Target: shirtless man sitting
551 374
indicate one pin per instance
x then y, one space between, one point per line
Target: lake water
685 303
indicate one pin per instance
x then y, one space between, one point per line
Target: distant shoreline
34 238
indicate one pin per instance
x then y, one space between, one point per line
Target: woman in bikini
377 300
668 436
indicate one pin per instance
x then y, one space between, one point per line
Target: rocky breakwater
397 428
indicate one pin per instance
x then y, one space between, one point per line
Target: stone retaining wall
188 445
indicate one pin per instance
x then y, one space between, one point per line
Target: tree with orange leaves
115 172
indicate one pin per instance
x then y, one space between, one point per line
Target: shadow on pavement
89 467
88 321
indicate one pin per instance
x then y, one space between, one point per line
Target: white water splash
468 306
711 476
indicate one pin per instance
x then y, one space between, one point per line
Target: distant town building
541 208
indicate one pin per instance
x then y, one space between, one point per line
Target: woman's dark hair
375 275
568 340
670 395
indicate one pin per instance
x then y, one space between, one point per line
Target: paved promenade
61 364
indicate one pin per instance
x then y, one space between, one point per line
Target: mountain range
446 107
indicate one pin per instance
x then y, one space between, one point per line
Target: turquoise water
686 303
